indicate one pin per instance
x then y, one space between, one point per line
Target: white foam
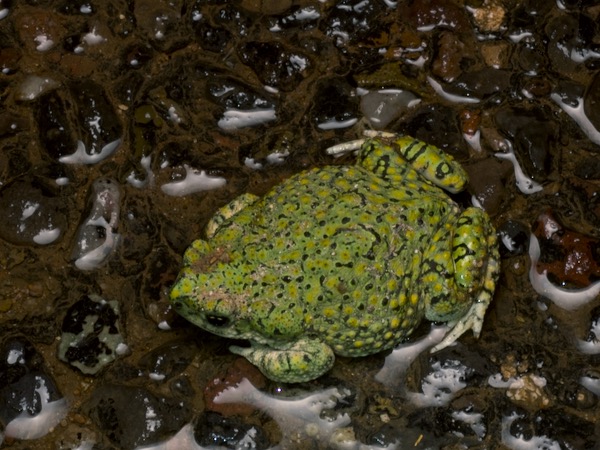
437 87
47 236
82 157
234 119
440 386
591 347
44 43
26 426
277 157
525 184
569 299
299 419
194 181
577 113
95 258
93 38
518 37
28 209
294 415
591 384
474 420
474 140
334 124
146 163
520 443
397 362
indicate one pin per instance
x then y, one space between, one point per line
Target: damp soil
127 124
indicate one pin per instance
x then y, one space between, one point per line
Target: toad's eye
217 321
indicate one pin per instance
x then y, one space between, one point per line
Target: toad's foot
473 319
354 146
228 211
304 360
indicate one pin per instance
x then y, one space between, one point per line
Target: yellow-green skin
342 260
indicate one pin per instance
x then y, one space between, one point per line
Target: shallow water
125 125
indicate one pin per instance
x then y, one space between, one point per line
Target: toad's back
343 248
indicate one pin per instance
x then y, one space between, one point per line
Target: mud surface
125 124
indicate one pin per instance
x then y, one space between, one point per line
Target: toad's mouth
229 328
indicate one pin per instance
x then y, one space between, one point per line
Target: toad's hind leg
226 212
476 265
303 360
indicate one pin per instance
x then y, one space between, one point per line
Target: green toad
342 260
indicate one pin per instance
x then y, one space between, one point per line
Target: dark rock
228 432
335 105
168 360
533 135
514 238
131 417
33 212
275 65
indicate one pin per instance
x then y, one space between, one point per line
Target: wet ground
125 125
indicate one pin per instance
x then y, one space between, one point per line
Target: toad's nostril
217 321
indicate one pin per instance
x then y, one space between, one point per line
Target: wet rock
97 236
91 335
30 403
554 428
275 65
354 20
33 212
77 7
385 436
526 14
335 106
130 417
267 7
532 136
33 86
232 94
490 17
39 29
449 53
486 182
588 169
306 18
211 37
168 360
438 125
99 129
438 13
161 23
570 258
137 56
591 101
383 107
536 87
9 60
482 83
529 391
229 432
571 40
79 126
531 58
514 237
